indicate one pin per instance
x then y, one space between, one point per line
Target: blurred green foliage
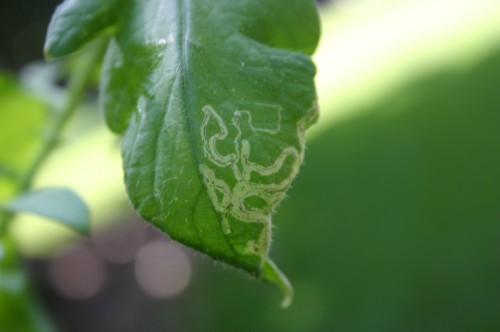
19 311
394 222
22 119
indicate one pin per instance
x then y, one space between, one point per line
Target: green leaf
77 23
59 204
213 99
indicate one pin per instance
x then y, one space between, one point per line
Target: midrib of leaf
184 16
184 31
180 83
162 128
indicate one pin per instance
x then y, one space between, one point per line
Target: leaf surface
213 99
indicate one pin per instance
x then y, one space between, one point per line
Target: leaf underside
213 99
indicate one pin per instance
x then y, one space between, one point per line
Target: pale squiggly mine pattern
231 201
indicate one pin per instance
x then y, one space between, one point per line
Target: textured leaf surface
59 204
213 98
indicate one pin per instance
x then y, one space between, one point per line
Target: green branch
76 89
77 85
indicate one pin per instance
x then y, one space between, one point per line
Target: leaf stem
4 218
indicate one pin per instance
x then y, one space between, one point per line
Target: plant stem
4 218
76 89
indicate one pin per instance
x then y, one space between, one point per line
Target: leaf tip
273 274
52 49
288 298
47 54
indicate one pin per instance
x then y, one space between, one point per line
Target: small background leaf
95 15
60 204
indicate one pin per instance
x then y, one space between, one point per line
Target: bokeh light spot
162 269
77 273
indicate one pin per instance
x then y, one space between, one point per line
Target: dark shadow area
393 223
22 31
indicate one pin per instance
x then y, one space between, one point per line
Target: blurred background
392 225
